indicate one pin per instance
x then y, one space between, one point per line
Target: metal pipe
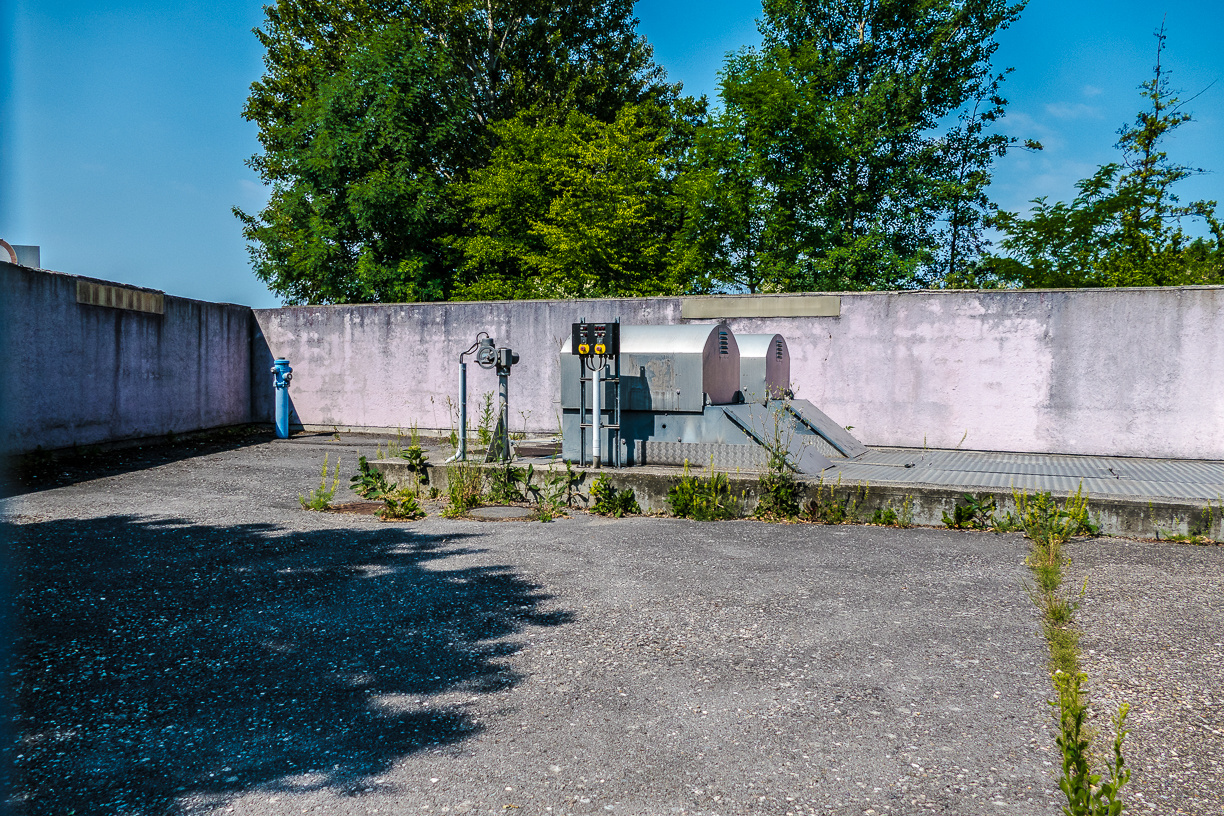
596 414
503 396
281 375
461 449
616 420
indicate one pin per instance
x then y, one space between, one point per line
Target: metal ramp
820 424
760 423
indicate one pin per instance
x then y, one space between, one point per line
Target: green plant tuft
484 425
464 488
1087 793
974 514
1050 525
779 489
418 464
606 500
885 517
830 506
368 482
703 499
320 498
400 505
508 483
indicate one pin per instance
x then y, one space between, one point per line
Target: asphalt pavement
191 641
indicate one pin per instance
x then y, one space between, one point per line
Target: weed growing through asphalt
833 505
888 516
320 498
706 498
606 500
368 482
400 505
1199 532
1048 526
464 488
1087 793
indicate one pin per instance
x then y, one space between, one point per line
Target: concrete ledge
1126 517
727 306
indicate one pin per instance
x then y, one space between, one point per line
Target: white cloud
1092 90
1073 110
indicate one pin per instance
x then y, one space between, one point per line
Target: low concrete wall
1132 372
80 374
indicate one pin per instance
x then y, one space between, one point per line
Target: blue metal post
282 374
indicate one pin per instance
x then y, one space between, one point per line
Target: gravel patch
1153 636
191 641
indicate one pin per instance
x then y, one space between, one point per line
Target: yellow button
583 348
600 348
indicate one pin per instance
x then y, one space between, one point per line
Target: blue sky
122 144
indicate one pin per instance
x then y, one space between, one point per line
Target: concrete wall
79 374
1104 371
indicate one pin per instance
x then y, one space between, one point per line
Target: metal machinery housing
764 367
676 393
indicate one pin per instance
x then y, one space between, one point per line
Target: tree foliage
372 115
366 208
1125 227
829 162
576 207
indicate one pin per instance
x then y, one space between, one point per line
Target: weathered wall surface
393 366
1132 372
80 374
1124 372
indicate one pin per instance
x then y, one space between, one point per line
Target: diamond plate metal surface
751 458
1102 476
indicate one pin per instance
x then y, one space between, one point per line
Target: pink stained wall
1132 372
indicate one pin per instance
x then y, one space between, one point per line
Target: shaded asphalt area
191 641
162 658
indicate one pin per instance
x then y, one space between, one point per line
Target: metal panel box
664 368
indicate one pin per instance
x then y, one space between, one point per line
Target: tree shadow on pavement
158 660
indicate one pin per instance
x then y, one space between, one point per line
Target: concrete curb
1117 516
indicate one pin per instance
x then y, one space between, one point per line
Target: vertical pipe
596 414
281 375
461 448
503 394
617 418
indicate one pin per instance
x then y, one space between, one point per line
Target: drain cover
500 513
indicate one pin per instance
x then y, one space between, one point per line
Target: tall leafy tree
577 207
1126 225
366 210
837 153
372 113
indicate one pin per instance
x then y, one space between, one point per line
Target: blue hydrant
282 374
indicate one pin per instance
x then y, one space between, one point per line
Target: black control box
595 339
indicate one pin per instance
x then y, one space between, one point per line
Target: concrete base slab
1141 498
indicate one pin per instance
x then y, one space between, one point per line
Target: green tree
1125 227
368 210
833 147
371 116
577 207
